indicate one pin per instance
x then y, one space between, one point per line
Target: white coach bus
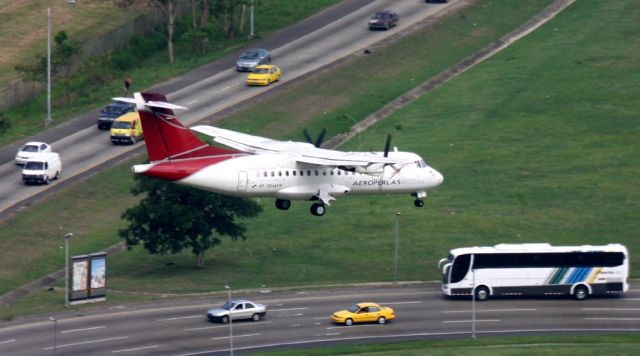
536 269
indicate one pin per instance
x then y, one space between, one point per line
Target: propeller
387 146
318 140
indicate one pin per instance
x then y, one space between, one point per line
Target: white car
240 309
29 150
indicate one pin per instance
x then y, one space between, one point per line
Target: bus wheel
482 293
581 293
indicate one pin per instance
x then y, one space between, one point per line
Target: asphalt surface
301 319
299 50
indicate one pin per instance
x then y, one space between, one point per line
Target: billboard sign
88 278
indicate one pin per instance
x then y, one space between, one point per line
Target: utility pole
395 259
47 121
67 237
230 320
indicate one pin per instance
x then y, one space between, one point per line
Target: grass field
623 344
536 145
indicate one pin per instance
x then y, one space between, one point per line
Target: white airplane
261 167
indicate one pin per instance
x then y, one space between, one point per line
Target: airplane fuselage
280 176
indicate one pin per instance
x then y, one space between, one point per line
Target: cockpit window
421 164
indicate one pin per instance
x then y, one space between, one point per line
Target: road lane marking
235 336
7 341
85 329
181 317
86 342
322 318
117 307
487 310
288 309
612 309
332 334
226 326
618 319
470 321
192 102
136 349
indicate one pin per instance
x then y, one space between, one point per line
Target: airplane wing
301 151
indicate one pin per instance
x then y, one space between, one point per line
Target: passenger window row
302 173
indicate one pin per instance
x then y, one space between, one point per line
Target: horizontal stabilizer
151 104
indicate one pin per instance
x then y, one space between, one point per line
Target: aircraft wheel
283 204
318 209
419 203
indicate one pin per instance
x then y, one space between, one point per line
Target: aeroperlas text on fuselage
260 167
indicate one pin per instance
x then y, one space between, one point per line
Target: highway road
317 42
301 319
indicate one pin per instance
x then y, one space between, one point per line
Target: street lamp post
55 334
67 237
48 119
395 263
230 320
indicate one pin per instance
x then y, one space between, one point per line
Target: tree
169 10
62 65
62 62
174 217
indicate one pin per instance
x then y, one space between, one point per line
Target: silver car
251 58
240 309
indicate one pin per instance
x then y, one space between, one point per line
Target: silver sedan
238 309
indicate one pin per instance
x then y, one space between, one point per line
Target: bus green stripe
559 275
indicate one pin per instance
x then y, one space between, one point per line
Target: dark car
383 20
113 111
252 58
436 1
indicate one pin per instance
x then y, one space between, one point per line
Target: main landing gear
283 204
419 203
318 209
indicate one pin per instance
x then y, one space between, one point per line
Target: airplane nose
438 176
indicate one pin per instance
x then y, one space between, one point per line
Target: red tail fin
166 138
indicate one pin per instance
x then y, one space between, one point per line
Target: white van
42 168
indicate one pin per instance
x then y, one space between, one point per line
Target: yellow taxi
264 75
364 313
